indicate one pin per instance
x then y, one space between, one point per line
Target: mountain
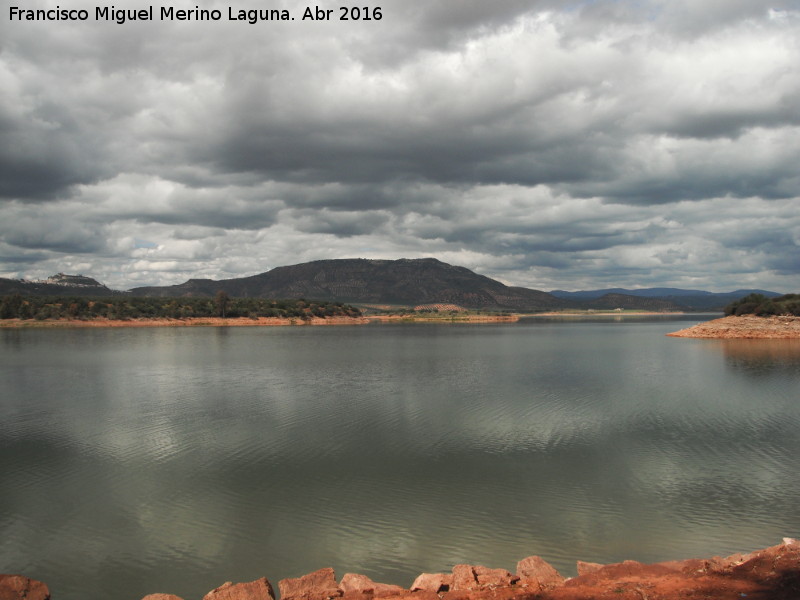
646 292
680 298
627 301
407 282
362 281
57 285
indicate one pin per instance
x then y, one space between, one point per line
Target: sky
547 144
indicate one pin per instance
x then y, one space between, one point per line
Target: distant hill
406 282
627 301
682 299
362 281
57 285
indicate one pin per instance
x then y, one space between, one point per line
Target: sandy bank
259 322
744 327
769 574
586 313
457 318
190 322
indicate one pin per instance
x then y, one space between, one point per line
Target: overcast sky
548 144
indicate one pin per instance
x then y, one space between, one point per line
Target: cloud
552 144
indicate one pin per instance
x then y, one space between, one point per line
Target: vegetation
74 307
758 304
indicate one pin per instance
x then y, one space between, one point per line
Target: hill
405 282
680 298
362 281
57 285
627 301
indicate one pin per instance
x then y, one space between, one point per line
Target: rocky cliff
57 285
769 574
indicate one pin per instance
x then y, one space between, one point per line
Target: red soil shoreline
457 318
605 313
250 322
188 322
769 574
744 327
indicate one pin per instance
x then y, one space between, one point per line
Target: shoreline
457 318
250 322
628 313
744 327
188 322
772 573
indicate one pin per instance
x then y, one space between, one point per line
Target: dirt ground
744 327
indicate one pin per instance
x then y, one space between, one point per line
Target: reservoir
135 461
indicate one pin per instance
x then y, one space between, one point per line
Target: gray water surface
135 461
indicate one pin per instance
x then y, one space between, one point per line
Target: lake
135 461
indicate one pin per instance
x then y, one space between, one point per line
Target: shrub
758 304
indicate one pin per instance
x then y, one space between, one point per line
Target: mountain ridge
656 292
404 281
59 284
685 299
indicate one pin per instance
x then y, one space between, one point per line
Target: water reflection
173 460
761 357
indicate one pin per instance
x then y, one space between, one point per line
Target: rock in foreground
17 587
769 574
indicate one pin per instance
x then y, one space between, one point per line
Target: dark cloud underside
549 143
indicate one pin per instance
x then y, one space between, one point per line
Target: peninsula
754 316
745 327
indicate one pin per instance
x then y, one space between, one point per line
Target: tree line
16 306
759 304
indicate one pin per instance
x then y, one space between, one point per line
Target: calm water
172 460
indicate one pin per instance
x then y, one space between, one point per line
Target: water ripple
188 458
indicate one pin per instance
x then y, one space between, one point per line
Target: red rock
464 595
19 587
161 597
492 578
537 574
421 595
513 593
358 596
629 569
319 585
433 582
584 568
260 589
688 566
477 577
355 583
464 578
491 593
773 561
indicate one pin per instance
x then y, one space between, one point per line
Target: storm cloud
549 144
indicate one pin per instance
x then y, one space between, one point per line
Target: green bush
129 307
758 304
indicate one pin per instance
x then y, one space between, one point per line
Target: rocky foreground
744 327
769 574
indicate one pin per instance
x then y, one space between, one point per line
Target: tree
221 301
10 306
